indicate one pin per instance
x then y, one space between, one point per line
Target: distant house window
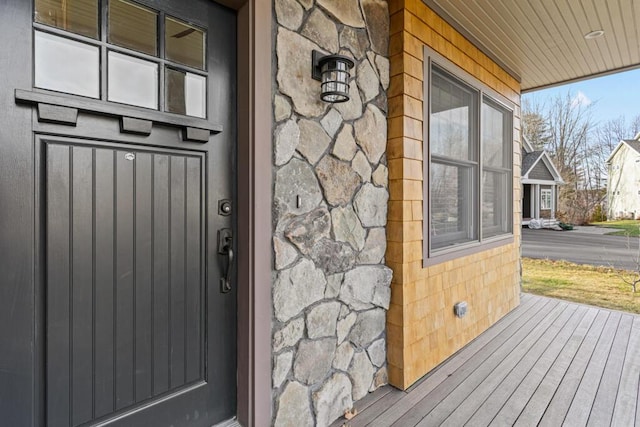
468 160
545 199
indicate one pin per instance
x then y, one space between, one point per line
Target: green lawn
625 227
599 286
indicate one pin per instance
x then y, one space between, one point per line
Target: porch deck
548 363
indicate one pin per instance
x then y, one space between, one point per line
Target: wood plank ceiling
542 43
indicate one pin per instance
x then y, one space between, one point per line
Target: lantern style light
333 72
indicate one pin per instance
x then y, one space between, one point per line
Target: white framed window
546 200
468 146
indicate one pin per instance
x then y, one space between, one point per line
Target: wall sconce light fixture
333 72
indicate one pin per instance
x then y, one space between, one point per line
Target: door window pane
133 81
184 43
77 16
186 93
67 66
132 26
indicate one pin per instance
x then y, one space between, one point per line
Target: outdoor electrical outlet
460 309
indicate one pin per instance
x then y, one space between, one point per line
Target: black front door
131 150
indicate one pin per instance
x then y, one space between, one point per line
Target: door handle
225 247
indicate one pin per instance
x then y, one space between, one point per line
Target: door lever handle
225 243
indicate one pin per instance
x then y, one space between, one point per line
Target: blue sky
615 95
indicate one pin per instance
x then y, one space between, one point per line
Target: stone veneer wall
331 288
422 329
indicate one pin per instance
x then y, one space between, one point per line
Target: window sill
466 250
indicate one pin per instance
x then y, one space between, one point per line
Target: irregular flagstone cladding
422 330
331 289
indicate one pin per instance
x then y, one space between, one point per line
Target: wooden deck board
546 363
627 397
521 316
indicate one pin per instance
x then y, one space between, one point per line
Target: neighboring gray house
540 181
623 191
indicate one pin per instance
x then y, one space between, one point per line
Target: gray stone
345 147
304 231
307 4
368 326
281 108
334 282
366 286
382 64
331 122
293 180
374 247
289 13
377 353
313 361
361 165
347 227
333 257
344 354
347 12
294 74
368 81
371 205
281 368
381 176
289 335
313 140
296 289
379 379
321 30
294 408
333 399
287 139
361 373
345 325
376 14
285 254
322 319
352 109
356 40
371 133
338 180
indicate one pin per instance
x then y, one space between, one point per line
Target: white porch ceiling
541 42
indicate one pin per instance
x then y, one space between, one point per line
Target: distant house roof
631 143
531 157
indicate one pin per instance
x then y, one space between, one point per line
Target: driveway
581 247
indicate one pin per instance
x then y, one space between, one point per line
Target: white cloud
581 100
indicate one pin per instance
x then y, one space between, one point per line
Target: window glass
184 43
67 66
452 204
77 16
132 81
494 127
545 199
186 93
495 203
133 26
453 111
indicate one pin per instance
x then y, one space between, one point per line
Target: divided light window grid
120 51
545 199
469 195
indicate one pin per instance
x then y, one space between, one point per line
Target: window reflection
184 43
186 93
133 26
132 81
66 66
77 16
